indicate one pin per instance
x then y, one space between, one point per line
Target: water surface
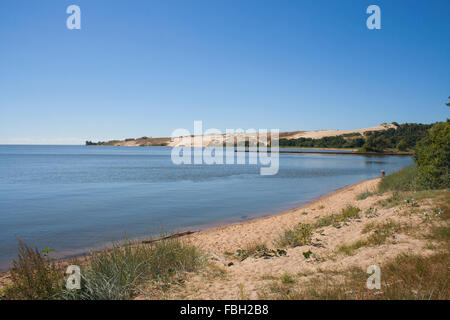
72 198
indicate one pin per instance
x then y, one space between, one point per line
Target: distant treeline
404 138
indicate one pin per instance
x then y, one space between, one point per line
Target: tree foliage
433 157
403 138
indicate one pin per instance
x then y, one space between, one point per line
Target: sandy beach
250 276
230 278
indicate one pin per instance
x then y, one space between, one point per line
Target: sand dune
219 139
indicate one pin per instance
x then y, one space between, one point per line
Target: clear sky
144 68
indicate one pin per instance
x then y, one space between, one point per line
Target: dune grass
114 274
364 195
349 212
407 277
300 235
118 273
380 232
402 180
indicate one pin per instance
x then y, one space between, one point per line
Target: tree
433 157
402 145
375 144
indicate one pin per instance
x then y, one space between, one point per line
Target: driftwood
172 236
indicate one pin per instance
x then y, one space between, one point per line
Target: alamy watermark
74 280
74 20
374 20
374 281
232 147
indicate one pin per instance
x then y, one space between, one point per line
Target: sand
248 276
236 278
217 139
318 134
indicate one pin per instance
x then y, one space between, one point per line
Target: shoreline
214 230
337 247
196 229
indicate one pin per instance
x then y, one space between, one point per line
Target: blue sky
145 68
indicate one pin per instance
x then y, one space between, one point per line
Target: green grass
302 234
349 249
298 236
250 250
348 213
406 277
118 273
402 180
408 198
389 226
115 274
379 233
286 278
364 195
440 233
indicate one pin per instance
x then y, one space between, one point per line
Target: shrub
375 144
433 157
33 276
402 146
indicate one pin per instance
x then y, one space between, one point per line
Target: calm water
72 198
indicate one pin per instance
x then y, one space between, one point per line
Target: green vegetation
119 273
379 233
347 213
403 138
349 249
433 157
33 276
432 163
364 195
298 236
302 233
407 277
342 141
286 278
389 227
307 254
402 180
250 250
258 251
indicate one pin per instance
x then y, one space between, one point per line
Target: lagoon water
75 198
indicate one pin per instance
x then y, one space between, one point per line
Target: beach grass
406 277
300 235
402 180
115 274
349 212
364 195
